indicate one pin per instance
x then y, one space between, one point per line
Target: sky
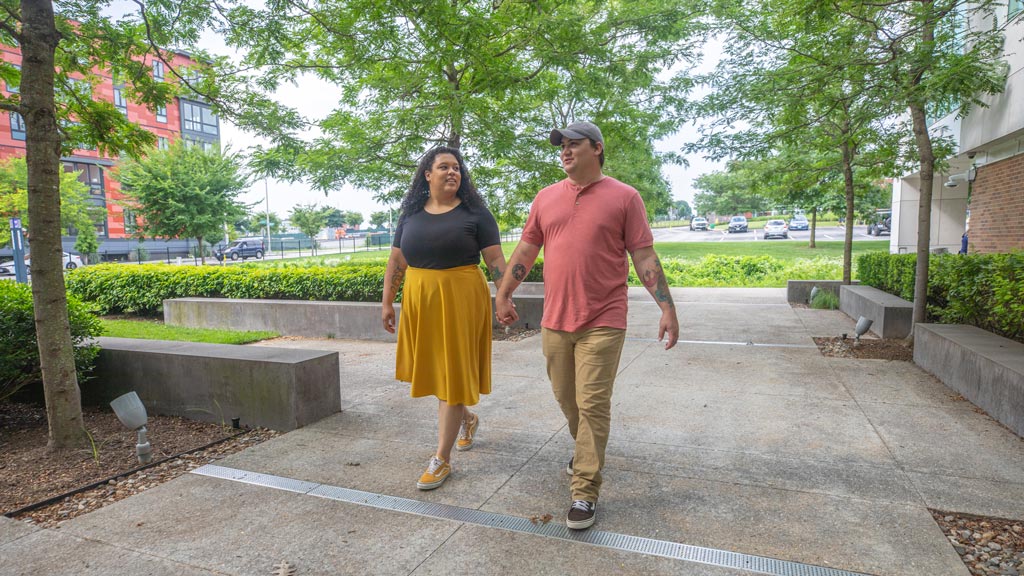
315 98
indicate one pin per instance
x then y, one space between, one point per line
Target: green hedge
983 290
131 289
744 271
19 352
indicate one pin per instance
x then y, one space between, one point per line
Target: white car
71 261
776 229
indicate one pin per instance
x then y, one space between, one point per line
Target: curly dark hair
419 190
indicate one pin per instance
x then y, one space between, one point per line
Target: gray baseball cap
576 131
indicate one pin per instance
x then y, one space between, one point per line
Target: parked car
242 248
71 261
738 224
881 223
698 223
799 222
776 229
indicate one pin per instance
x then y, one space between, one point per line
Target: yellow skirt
444 334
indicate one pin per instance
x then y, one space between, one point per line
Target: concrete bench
799 291
893 316
985 368
312 319
278 388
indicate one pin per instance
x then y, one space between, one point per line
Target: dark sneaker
568 467
581 515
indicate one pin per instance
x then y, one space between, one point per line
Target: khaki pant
582 367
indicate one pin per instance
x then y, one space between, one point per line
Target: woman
444 337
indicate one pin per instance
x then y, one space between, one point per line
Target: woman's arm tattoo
396 279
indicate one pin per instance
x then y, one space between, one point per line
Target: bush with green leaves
983 290
19 353
116 288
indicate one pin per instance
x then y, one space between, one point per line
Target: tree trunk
202 254
924 211
42 155
814 226
848 235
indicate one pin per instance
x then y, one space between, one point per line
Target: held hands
387 316
669 324
505 311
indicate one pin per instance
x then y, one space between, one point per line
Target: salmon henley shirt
587 234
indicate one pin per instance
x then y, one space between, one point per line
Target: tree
931 55
352 218
76 208
683 210
490 78
310 219
86 243
334 218
787 75
257 223
380 219
59 55
733 191
184 191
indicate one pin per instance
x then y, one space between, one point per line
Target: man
587 224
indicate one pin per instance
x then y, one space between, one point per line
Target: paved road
720 235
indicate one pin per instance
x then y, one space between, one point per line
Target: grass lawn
157 330
784 250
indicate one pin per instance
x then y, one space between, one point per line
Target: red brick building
191 119
997 207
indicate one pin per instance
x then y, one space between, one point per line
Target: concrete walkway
743 439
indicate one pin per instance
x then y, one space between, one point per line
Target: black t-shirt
448 240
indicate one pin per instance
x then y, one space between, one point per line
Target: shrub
114 288
983 290
825 300
19 353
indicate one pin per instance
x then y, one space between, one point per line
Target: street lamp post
266 198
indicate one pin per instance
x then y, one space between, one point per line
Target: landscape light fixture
130 411
814 292
863 325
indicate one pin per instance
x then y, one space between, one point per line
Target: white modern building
987 173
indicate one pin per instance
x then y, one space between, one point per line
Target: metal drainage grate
724 343
623 542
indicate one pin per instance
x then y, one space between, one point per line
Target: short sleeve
532 232
487 233
638 232
398 232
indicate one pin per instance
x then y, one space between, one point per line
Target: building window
17 126
14 88
198 117
1015 7
130 223
158 71
101 229
163 143
161 114
120 102
89 174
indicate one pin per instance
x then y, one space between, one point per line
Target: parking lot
719 234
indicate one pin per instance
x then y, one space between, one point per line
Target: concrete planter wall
278 388
317 319
985 368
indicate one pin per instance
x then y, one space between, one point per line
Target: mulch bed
29 473
873 348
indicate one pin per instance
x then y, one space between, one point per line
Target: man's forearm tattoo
519 272
654 277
